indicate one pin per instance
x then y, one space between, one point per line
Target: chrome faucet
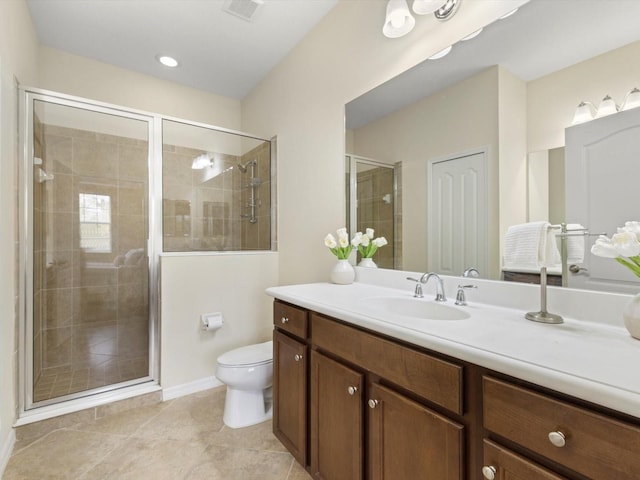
440 295
460 297
471 272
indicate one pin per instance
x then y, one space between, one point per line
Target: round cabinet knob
372 403
489 472
558 439
297 357
284 320
351 390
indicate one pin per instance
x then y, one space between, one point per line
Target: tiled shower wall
375 192
208 209
90 309
257 236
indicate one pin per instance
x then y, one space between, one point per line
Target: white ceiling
218 52
229 56
543 36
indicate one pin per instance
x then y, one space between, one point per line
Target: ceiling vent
245 9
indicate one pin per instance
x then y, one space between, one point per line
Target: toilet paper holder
211 321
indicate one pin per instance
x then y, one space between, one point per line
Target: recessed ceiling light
167 61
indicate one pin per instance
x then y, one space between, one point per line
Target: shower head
243 167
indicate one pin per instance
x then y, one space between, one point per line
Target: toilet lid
249 355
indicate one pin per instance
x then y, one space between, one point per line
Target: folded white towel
530 246
575 243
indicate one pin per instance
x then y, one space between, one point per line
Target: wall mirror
507 94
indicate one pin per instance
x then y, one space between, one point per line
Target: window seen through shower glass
95 222
216 190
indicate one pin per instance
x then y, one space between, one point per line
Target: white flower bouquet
368 245
623 246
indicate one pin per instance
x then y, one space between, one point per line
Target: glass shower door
88 232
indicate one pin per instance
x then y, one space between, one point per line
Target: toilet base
243 408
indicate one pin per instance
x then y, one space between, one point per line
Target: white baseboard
6 449
191 387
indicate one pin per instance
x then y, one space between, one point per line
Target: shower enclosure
103 191
374 201
85 248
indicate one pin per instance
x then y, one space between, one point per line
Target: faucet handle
460 297
418 291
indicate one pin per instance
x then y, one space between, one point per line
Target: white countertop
596 362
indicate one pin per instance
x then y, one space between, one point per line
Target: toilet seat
251 355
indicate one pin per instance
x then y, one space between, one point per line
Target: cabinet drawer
431 378
290 318
597 446
506 465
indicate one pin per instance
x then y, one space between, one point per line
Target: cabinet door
408 441
336 420
501 464
290 394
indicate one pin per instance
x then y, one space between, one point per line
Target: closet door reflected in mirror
374 201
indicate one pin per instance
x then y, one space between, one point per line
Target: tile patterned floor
184 438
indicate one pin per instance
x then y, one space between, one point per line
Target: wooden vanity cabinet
589 443
502 464
290 374
372 408
363 428
407 440
336 414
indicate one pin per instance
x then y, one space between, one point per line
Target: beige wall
552 100
302 100
74 75
18 59
456 120
192 285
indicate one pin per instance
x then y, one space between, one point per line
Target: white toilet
248 374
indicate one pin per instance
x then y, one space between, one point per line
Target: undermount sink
417 308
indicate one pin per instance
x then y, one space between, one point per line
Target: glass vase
631 316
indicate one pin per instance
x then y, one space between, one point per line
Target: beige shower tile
95 158
132 232
57 153
58 273
140 458
60 454
57 309
94 304
133 162
132 198
59 193
62 233
176 169
222 463
57 347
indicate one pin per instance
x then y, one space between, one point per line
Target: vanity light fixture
441 53
584 113
607 107
508 14
448 10
631 100
471 35
399 20
167 61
